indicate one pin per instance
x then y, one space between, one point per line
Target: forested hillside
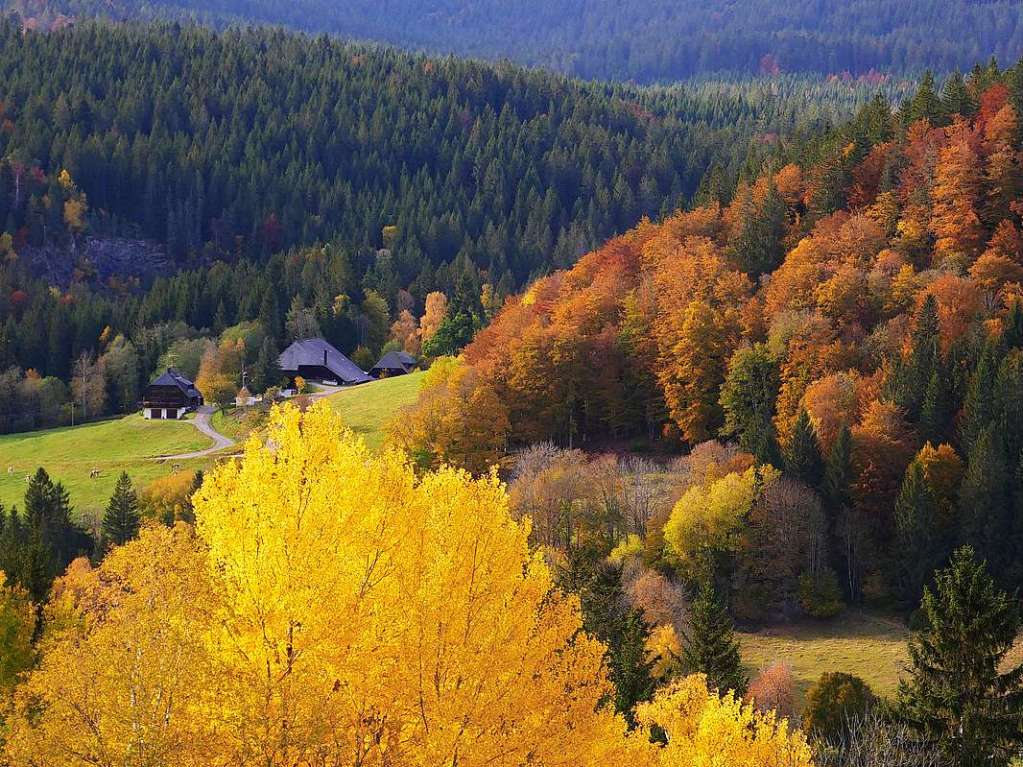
854 319
643 40
129 154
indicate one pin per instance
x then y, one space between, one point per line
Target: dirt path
202 423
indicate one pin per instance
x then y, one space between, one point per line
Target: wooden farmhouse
315 360
170 396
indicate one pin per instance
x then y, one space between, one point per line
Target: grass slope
367 409
870 646
69 454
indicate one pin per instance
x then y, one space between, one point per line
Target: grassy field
367 409
70 454
869 646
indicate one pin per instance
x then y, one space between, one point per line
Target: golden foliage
704 730
332 609
458 420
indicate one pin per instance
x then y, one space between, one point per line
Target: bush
834 703
820 597
774 689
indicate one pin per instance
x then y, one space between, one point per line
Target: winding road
202 423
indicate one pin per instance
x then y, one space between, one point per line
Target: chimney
324 358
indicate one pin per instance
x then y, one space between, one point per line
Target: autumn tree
435 313
703 726
457 419
405 332
237 626
17 630
956 196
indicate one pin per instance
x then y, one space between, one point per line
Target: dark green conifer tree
838 470
956 694
984 512
709 645
956 98
759 247
265 371
917 547
622 630
803 454
53 539
935 411
925 104
748 399
122 518
980 405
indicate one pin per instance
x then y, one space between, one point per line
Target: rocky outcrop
96 259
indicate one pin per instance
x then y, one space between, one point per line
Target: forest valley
264 172
824 366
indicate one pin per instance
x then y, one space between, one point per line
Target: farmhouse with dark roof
315 360
394 364
170 396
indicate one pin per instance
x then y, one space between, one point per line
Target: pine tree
838 470
748 398
803 456
979 407
925 104
916 512
955 695
710 646
935 411
53 540
122 518
984 513
265 371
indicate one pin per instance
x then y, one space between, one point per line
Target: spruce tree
838 470
606 616
935 412
955 695
122 518
980 406
803 455
956 98
710 646
916 511
984 513
52 538
265 372
925 104
759 248
748 398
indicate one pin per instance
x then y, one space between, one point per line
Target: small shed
394 364
170 396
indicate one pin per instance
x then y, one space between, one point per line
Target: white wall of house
160 413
